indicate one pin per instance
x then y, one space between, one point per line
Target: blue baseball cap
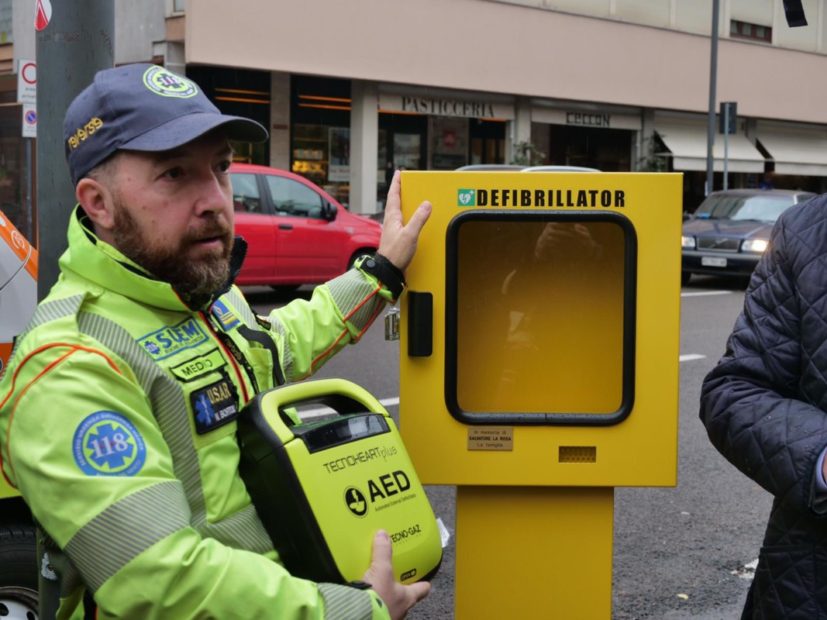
142 107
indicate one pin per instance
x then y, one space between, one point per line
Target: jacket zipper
231 356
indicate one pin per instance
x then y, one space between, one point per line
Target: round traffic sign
28 72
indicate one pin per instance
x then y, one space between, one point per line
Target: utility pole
74 40
713 79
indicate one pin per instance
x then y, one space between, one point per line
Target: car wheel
18 573
685 276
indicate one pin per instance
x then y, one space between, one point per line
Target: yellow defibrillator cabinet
539 370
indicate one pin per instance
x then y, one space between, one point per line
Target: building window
5 22
178 6
753 32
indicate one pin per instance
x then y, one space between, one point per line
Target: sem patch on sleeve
215 405
107 444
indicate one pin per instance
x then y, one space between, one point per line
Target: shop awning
795 151
687 143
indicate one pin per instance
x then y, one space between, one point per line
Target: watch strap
385 271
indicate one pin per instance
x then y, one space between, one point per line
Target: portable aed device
323 486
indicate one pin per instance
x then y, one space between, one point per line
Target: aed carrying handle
340 395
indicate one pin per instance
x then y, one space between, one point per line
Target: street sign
728 120
29 120
26 81
43 13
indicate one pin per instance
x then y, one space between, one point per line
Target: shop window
320 134
608 150
293 198
449 142
487 142
239 92
753 32
402 141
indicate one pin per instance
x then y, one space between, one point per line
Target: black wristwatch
385 271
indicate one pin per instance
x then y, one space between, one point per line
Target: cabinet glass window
292 198
553 293
246 196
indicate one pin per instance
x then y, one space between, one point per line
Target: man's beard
191 278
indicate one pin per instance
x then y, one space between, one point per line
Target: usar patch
215 405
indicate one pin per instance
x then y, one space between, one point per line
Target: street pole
713 77
77 42
726 146
29 222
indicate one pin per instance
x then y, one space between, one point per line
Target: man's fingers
382 552
420 590
394 191
397 597
393 204
395 182
418 219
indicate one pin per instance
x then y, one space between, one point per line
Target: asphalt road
679 553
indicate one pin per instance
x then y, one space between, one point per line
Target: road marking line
691 356
706 293
747 571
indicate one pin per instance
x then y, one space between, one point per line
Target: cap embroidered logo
167 84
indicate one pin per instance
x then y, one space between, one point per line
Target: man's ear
96 200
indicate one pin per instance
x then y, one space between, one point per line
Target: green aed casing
323 487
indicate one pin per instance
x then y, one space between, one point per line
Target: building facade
352 90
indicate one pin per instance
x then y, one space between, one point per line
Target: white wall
760 12
24 32
500 47
644 12
137 26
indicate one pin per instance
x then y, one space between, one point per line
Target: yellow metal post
534 552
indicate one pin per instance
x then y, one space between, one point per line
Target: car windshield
760 208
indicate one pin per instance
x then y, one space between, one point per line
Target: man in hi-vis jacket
117 410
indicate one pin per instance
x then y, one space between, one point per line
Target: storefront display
449 142
320 133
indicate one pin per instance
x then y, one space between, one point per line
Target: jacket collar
102 264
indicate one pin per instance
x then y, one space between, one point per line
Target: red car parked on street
296 232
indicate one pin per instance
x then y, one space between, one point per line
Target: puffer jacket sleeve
753 403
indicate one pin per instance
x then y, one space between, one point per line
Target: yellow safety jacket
117 425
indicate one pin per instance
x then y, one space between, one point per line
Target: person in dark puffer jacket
765 409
